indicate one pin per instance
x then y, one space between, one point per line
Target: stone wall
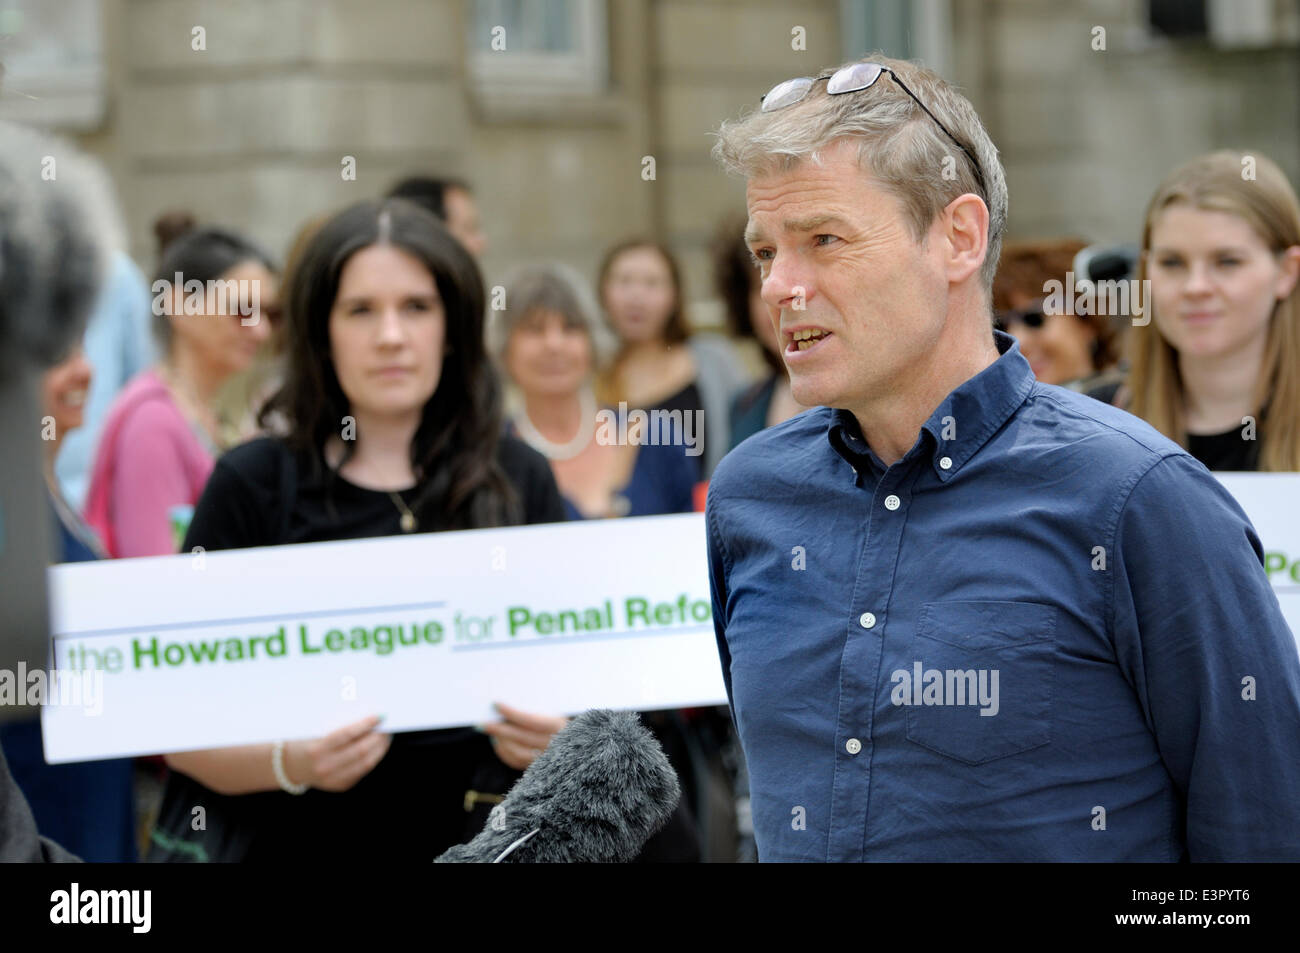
251 132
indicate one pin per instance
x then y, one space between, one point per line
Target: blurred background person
385 327
546 340
161 435
768 401
1078 351
452 200
118 345
87 807
241 399
659 364
1218 367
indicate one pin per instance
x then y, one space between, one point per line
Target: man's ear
965 225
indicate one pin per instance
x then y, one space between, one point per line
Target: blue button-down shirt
1045 633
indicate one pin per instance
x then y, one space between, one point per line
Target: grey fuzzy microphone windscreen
599 791
57 226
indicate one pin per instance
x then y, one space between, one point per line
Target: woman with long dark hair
393 425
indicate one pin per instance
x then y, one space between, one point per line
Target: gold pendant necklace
408 521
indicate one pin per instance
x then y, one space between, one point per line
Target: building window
52 63
538 47
1227 24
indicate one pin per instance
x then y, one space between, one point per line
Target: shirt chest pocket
981 679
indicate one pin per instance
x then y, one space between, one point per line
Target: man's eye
1229 262
359 309
1170 262
760 256
818 239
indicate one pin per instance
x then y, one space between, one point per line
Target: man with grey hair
963 615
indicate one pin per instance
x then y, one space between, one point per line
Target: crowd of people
190 422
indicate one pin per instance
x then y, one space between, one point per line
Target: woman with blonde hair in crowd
1218 367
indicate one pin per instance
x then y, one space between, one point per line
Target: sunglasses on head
852 79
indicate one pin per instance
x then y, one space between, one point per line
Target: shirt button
892 502
945 463
853 746
867 620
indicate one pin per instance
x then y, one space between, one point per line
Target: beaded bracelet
277 765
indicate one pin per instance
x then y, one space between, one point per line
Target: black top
1229 450
687 400
1104 390
411 807
241 506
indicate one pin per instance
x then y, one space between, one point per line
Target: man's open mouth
804 338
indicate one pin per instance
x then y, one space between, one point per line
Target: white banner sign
254 645
1272 501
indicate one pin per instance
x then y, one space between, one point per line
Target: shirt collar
961 424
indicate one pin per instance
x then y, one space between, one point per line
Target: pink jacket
148 461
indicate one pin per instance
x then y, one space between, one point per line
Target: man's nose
786 285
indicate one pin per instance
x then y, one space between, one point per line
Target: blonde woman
1218 367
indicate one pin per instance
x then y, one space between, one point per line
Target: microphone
599 791
57 224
